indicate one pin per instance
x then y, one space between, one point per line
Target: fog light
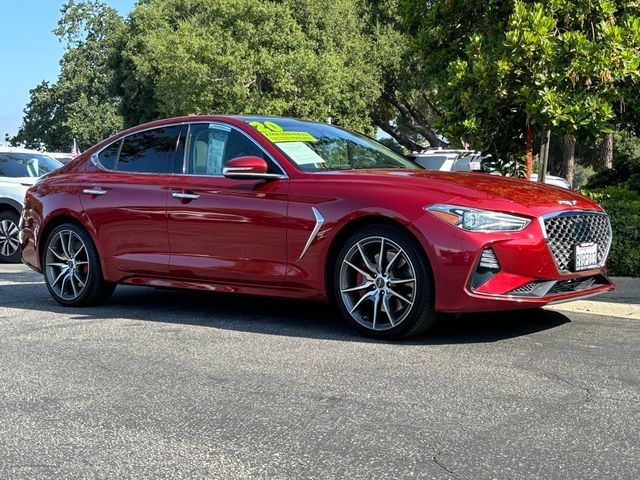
487 267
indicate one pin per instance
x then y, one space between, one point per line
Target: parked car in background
19 169
61 157
283 207
450 160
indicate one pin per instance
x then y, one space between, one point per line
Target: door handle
185 196
94 191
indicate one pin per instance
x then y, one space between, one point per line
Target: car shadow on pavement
270 316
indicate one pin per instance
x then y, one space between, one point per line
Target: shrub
626 165
623 207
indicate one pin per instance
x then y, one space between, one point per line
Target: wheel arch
57 221
8 204
350 229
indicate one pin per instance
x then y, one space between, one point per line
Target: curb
623 302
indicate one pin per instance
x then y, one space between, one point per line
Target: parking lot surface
171 384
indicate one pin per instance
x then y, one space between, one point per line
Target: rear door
125 196
221 229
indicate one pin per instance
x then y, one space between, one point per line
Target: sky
30 52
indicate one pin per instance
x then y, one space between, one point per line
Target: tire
72 270
9 242
365 290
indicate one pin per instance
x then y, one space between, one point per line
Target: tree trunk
606 151
413 119
529 142
544 155
396 134
568 157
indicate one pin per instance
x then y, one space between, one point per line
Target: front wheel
9 240
72 269
383 284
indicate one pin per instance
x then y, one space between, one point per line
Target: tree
501 66
405 108
80 105
304 59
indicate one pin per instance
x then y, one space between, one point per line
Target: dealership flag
75 151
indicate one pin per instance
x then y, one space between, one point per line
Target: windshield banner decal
276 134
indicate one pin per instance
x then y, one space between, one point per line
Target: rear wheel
72 269
383 284
9 241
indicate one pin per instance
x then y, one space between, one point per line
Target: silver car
19 169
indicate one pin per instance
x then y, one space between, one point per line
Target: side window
151 151
107 157
210 146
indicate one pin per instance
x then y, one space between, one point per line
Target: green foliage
509 167
626 164
80 104
623 207
564 64
300 58
581 175
172 57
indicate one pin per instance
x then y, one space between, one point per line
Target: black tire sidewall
422 314
15 218
95 283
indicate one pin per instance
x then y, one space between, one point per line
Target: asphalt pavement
173 384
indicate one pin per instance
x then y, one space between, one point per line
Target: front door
224 230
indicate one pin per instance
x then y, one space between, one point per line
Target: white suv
19 169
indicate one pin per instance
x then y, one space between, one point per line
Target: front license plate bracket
585 256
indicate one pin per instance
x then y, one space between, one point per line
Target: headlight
474 220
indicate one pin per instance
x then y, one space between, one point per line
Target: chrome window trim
97 164
574 213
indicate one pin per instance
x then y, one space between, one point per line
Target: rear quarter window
108 157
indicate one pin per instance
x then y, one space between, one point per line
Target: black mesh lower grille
557 288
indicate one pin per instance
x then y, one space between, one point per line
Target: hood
478 190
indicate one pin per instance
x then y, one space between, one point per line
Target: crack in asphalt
440 464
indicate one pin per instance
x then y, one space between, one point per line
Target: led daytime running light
476 220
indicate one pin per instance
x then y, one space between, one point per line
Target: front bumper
528 274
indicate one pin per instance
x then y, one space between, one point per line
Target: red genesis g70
282 207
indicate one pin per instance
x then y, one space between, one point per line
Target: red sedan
282 207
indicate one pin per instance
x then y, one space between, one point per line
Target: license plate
586 256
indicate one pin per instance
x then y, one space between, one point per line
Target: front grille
568 229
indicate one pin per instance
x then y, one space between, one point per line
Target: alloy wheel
9 242
67 265
378 283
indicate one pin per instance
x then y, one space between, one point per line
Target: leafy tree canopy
80 104
563 64
301 58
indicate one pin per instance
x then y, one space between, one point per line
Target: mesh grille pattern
558 288
524 289
568 286
565 231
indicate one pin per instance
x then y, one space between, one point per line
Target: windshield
26 164
315 147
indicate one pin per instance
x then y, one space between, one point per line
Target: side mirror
248 167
